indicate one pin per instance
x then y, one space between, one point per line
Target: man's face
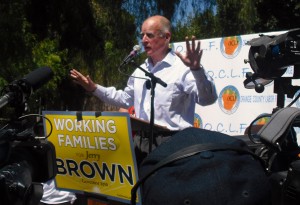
154 40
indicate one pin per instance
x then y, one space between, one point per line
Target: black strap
79 115
277 127
187 152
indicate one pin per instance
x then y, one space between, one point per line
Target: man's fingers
188 47
193 43
195 46
179 54
198 47
200 54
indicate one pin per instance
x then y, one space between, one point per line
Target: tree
203 25
276 15
236 17
94 33
16 41
92 36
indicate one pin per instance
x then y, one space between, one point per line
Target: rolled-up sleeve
120 98
207 94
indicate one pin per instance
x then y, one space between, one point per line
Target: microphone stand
153 80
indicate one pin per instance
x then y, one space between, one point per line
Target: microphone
38 77
131 55
18 91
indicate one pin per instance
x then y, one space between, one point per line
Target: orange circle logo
231 46
229 99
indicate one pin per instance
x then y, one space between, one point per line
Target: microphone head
38 77
136 48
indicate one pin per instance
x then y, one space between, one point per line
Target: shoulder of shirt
175 61
172 59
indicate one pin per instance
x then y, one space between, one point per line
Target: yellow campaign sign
94 154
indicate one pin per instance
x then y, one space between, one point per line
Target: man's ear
168 35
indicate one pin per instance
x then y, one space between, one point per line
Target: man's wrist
92 89
197 68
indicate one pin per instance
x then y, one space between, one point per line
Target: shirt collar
167 61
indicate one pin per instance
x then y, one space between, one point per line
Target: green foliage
167 7
236 17
91 36
203 25
47 54
277 15
16 41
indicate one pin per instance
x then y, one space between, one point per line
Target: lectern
143 125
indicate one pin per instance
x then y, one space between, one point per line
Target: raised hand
85 81
193 54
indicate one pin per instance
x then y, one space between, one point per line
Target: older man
187 82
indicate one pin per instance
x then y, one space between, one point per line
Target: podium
143 125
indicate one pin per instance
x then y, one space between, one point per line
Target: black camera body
24 166
27 159
269 58
286 185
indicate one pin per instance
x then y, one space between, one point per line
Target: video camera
269 58
26 158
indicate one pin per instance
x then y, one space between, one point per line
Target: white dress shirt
174 105
55 196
